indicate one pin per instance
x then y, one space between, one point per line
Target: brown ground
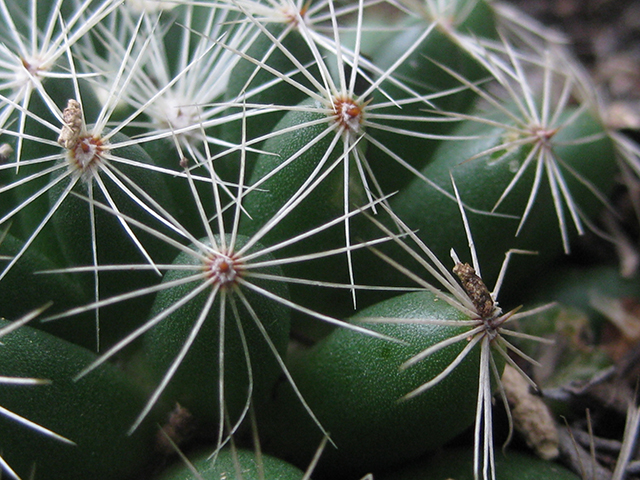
605 35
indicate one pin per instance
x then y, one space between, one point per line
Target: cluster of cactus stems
252 224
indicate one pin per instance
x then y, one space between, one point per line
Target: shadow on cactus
89 416
21 381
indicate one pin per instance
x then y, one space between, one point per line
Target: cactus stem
486 328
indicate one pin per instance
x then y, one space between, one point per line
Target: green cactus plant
237 202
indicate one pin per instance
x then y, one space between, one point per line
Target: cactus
251 210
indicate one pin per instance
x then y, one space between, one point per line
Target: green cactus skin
458 463
163 152
195 384
436 217
95 412
353 385
323 205
243 81
264 203
25 288
72 224
244 71
421 73
230 464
